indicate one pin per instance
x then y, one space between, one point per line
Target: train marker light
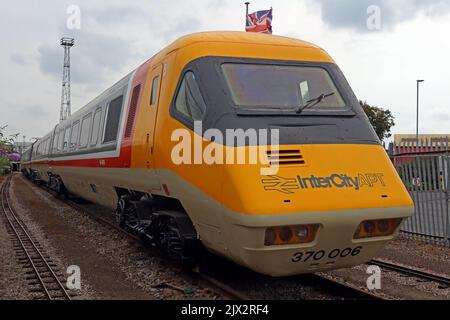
270 236
285 233
376 228
290 234
369 226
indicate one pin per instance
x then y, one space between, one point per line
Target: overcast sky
381 62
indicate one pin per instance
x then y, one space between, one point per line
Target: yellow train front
335 198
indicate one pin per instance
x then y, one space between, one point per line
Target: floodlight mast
65 111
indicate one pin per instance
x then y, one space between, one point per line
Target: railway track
412 272
216 285
347 288
41 274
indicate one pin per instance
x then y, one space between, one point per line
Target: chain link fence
424 167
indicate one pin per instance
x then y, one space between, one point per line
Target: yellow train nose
331 177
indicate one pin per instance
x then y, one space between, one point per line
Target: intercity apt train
333 199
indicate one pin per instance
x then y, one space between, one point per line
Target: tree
381 119
6 150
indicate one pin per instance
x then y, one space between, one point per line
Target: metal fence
424 167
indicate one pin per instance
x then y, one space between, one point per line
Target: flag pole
246 8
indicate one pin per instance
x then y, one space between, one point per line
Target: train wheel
121 211
169 238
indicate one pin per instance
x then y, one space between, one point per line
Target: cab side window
189 101
154 96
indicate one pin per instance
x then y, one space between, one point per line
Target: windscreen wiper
313 102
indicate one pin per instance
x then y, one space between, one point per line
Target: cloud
18 58
353 15
106 44
33 110
182 27
100 49
93 57
117 14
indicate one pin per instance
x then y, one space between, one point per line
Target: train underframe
160 222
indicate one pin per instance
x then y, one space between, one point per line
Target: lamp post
417 114
23 145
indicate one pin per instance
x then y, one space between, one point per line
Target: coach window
61 140
96 126
74 135
189 101
46 145
84 131
38 150
112 121
55 142
154 96
66 139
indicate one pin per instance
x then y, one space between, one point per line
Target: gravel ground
145 270
428 257
410 253
141 270
261 287
393 285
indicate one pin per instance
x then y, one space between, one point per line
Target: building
21 146
425 155
411 139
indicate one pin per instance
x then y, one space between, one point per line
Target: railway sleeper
38 283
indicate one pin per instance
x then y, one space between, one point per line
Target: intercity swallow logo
335 180
284 185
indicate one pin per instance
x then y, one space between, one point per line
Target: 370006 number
318 255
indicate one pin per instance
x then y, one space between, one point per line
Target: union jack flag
259 21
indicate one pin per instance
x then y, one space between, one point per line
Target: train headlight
290 234
302 232
376 228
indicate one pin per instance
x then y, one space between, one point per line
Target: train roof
224 40
239 37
